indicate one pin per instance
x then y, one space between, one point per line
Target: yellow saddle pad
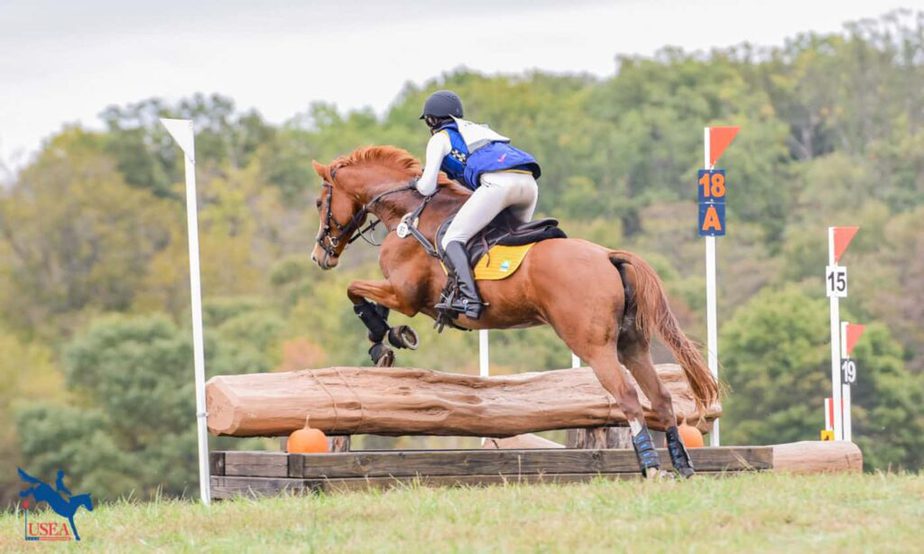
500 262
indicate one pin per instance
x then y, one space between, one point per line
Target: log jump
405 401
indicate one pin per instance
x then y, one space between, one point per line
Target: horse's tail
653 315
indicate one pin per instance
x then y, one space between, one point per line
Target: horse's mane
390 155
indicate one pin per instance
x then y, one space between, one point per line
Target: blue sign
710 192
711 186
711 219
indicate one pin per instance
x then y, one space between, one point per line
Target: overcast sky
65 61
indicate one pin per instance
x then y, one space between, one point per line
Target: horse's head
340 214
82 500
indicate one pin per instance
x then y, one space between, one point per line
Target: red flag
842 238
854 332
719 139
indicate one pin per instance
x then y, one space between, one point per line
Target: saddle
504 230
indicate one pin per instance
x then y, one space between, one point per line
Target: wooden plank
216 463
228 487
478 462
256 464
730 458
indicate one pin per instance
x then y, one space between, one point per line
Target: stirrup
471 309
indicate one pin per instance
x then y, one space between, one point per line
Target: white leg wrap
635 427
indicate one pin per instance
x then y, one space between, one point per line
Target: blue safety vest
467 167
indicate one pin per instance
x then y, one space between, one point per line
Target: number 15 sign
836 281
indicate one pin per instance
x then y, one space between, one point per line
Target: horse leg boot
679 455
648 459
375 318
470 302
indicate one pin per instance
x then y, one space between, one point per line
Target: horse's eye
318 203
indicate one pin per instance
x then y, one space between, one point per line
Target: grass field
743 513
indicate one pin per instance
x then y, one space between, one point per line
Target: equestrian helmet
442 103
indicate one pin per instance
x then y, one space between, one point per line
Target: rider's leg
497 191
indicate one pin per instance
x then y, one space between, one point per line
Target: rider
499 175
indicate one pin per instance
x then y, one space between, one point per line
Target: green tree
776 359
131 428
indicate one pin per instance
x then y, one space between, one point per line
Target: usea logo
58 499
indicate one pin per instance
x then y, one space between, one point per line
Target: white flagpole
712 334
484 358
845 388
836 397
182 132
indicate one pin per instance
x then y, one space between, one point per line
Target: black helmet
442 103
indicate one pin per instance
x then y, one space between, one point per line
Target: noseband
330 243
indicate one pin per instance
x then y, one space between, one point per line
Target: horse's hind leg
610 374
635 354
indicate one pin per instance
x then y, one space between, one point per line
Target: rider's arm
437 149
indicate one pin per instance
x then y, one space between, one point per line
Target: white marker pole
575 361
182 132
835 349
484 358
712 334
845 388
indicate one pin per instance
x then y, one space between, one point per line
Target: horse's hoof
686 472
403 336
381 355
651 473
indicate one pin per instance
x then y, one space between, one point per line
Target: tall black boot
469 303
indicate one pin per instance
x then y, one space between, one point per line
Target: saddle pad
501 262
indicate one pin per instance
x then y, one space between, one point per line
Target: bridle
328 242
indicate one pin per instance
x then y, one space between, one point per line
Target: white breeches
501 189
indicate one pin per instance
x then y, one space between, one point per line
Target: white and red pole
835 321
836 285
715 141
712 326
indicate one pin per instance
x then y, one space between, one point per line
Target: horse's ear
320 169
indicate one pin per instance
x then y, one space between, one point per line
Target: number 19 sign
711 195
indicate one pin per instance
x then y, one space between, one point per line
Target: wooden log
818 457
517 442
600 437
403 401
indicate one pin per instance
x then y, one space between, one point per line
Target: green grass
743 513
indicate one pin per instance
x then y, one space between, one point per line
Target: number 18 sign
711 196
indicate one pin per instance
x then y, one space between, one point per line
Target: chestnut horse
604 304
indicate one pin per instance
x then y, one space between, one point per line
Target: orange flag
854 332
842 238
719 139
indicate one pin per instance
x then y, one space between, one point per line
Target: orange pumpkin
690 436
307 441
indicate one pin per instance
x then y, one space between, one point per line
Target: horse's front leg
374 316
